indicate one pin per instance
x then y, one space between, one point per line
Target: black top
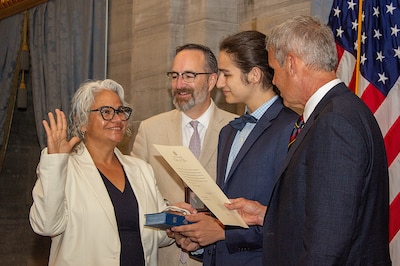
127 216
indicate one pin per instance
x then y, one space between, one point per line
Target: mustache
183 90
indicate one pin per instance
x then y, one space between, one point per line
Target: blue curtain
10 32
67 41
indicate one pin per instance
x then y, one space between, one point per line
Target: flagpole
358 59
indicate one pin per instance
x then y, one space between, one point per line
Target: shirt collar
317 97
263 108
204 119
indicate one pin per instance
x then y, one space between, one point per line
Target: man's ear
255 75
212 81
291 64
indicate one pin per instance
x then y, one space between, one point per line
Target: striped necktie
296 130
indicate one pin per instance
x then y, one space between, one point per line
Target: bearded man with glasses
193 76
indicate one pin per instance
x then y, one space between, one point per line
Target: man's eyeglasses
186 76
108 112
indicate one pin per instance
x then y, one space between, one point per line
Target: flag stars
376 11
354 25
363 59
339 32
395 30
336 11
363 38
377 34
390 8
382 78
351 5
379 56
397 52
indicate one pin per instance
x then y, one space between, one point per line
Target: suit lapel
174 131
133 173
210 142
93 178
336 90
225 147
263 124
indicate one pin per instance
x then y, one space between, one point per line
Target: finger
170 234
74 141
63 121
194 246
52 121
179 229
195 218
185 206
180 239
188 242
235 203
59 121
230 206
46 127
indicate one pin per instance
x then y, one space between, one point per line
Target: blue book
165 220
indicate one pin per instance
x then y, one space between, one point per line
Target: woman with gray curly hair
89 197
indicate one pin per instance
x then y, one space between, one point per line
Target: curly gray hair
84 98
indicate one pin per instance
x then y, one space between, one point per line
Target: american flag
379 82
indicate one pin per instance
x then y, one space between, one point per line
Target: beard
197 97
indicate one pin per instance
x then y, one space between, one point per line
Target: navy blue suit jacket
252 176
330 203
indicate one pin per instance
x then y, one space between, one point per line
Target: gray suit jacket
165 129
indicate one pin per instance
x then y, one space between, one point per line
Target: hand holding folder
186 165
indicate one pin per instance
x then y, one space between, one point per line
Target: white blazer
72 206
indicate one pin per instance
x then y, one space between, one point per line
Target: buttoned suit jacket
166 129
73 207
251 176
330 202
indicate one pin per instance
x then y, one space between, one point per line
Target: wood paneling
12 7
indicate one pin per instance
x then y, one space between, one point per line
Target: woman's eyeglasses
108 112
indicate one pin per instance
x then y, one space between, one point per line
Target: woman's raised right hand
56 131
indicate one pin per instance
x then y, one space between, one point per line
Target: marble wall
143 36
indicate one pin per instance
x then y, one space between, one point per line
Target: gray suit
165 129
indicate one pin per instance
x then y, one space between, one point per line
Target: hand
184 242
56 133
251 211
186 206
204 229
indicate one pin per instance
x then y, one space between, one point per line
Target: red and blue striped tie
296 130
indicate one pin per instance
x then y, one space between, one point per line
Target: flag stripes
379 82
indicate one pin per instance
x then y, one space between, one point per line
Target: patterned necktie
240 122
195 144
296 130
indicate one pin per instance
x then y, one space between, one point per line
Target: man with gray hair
330 204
